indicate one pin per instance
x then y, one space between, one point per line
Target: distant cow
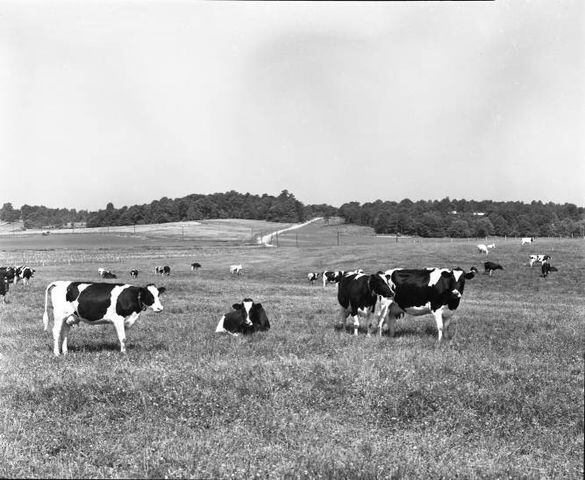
24 274
489 267
134 273
527 240
331 277
4 285
312 276
546 268
108 274
358 295
481 248
538 258
97 304
432 290
195 266
246 317
236 269
101 271
162 270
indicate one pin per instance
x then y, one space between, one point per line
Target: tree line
425 218
463 218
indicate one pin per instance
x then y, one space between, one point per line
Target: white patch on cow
457 274
456 293
220 328
435 275
156 306
247 307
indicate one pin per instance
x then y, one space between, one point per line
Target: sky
130 101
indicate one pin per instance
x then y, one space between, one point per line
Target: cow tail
46 315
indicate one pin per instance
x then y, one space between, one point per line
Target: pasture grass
502 399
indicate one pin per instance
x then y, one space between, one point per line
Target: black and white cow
97 304
418 292
546 268
108 274
331 276
24 274
101 271
134 273
489 267
9 273
162 270
538 258
246 317
312 276
358 294
195 266
4 285
527 240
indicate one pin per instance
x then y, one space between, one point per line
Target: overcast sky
131 101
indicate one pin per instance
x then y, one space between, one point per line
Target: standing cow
527 240
97 304
432 290
312 276
358 295
236 269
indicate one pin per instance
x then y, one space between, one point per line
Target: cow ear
237 306
162 290
257 305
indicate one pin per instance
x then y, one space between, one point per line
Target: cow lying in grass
246 317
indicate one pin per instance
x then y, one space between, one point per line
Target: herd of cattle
381 298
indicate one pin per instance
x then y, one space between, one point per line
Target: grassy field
502 399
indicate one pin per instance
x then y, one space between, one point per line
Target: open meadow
502 399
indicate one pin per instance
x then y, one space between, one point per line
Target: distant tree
8 213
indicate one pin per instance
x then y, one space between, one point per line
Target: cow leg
58 326
356 323
119 325
439 321
64 334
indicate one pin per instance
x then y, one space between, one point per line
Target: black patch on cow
4 284
94 301
133 300
361 291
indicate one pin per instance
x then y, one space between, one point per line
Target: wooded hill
426 218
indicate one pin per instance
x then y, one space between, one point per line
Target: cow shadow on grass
115 347
401 331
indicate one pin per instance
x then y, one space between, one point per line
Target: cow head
456 281
149 297
253 315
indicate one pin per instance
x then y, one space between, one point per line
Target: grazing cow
4 285
236 269
108 274
482 248
538 258
312 276
489 267
527 240
546 268
246 317
134 273
24 274
97 304
358 294
331 277
431 290
195 266
162 270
